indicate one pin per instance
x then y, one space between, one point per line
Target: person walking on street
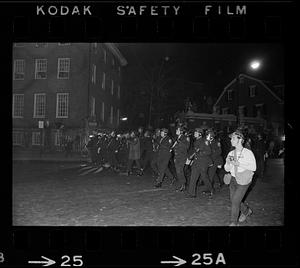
148 150
163 158
180 148
202 160
155 144
134 153
241 164
216 157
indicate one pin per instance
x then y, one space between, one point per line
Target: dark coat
216 153
134 149
165 145
203 156
181 148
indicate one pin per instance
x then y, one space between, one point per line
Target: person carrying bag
241 164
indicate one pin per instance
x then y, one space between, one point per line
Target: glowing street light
123 119
255 65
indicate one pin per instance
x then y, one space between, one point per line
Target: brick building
64 90
255 100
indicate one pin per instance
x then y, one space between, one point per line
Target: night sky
205 68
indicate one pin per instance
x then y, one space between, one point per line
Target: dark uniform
163 159
217 159
200 165
112 150
92 148
154 160
148 152
181 147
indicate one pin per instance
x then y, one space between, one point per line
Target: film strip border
263 22
147 246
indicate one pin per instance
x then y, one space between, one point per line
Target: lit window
40 68
18 105
19 69
62 105
63 68
39 109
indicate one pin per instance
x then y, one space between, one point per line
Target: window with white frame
252 91
104 55
41 44
119 90
112 87
18 137
93 106
36 138
94 74
19 69
40 68
229 95
103 112
63 68
103 81
111 114
225 110
62 105
118 117
39 109
18 105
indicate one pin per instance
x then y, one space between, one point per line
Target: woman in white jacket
241 164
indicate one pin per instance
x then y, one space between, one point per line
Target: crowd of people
186 159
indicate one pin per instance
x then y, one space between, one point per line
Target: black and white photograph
148 134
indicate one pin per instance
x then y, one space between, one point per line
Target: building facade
252 100
64 90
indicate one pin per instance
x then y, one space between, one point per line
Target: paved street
74 194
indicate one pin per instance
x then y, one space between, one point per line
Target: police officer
112 150
163 158
180 148
216 157
148 150
202 160
155 144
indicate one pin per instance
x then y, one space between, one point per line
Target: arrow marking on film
178 261
47 262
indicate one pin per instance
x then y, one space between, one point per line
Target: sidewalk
36 155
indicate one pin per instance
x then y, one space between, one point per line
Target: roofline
252 78
117 53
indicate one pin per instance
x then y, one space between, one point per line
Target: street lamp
253 65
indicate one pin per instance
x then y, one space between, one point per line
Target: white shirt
246 161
